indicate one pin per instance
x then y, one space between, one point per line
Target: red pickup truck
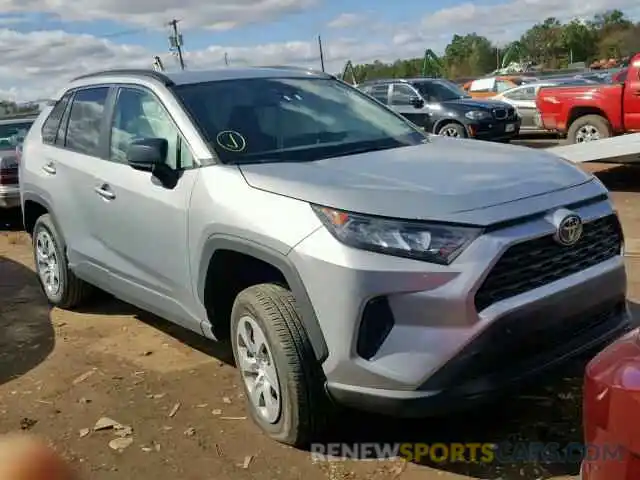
584 113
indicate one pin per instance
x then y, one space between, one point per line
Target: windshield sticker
231 141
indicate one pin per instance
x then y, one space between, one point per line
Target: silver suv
350 258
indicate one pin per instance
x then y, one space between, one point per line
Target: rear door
631 100
74 154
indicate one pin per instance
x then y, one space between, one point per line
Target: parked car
441 107
348 256
12 132
611 413
523 98
592 112
489 86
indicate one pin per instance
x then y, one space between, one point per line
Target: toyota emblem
569 230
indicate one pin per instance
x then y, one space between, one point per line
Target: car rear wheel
588 128
282 380
59 284
452 130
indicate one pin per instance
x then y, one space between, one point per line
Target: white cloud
346 20
506 21
154 13
36 64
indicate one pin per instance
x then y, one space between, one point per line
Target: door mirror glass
147 153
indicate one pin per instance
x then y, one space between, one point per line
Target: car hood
471 103
432 181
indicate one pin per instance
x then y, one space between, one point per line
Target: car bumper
611 416
439 346
9 196
494 131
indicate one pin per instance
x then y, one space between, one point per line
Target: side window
379 92
85 120
139 114
502 86
402 94
515 95
50 126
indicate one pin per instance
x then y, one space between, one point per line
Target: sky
43 43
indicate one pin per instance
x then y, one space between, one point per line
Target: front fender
279 261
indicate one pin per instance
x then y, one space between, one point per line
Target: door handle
637 93
49 168
105 192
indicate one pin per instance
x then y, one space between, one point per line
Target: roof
198 76
393 80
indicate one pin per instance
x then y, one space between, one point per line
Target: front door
141 223
631 100
402 100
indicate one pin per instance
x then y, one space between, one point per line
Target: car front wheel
282 379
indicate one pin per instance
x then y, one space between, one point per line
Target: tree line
550 45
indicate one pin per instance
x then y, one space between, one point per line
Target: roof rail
293 67
140 72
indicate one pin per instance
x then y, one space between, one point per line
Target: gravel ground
177 401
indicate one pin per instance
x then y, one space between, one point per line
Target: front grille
500 113
511 112
535 263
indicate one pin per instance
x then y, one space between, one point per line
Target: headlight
477 115
431 242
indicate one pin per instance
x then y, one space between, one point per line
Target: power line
175 41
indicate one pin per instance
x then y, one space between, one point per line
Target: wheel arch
33 207
224 244
579 111
446 121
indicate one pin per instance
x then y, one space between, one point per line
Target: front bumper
441 348
9 196
495 130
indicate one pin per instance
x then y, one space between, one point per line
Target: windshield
13 133
292 119
441 90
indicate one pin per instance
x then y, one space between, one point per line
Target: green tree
544 42
579 39
471 54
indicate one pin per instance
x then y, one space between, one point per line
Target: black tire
305 406
459 130
72 291
598 122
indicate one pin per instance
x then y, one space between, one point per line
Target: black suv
441 107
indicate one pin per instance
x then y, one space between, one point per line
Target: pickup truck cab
592 112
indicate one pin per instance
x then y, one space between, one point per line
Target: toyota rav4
350 258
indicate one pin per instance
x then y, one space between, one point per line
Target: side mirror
417 102
147 154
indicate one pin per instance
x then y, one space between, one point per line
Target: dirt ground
60 372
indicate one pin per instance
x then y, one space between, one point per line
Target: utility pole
175 41
321 52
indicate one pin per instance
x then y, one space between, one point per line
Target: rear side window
50 126
85 120
379 92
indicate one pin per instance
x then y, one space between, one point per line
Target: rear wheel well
32 210
578 112
229 272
